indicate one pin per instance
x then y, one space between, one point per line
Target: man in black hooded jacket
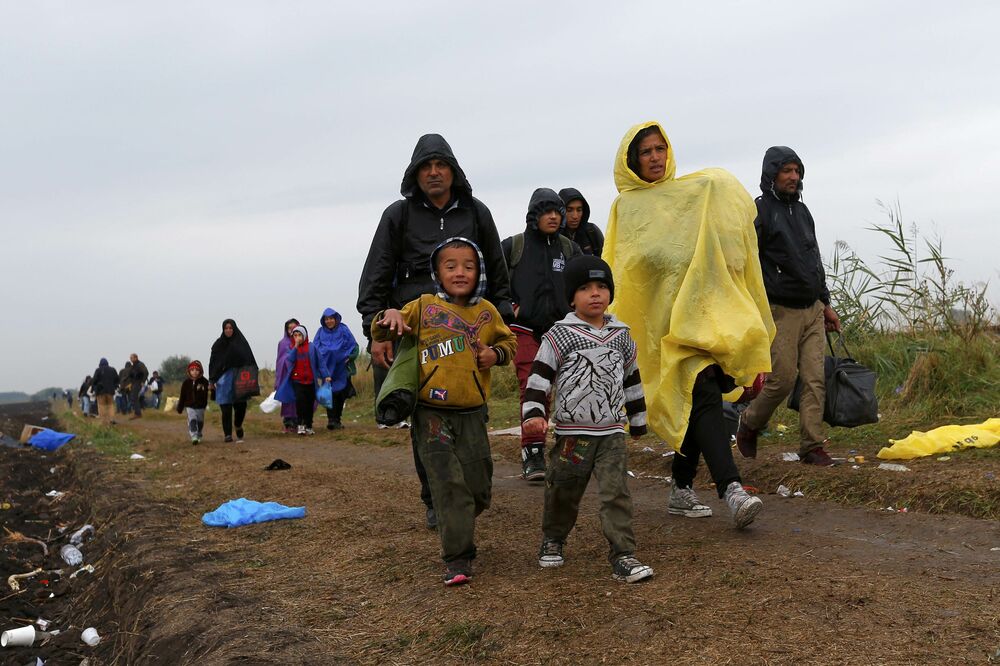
437 204
795 283
578 227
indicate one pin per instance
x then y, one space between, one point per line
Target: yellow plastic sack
170 404
687 281
942 440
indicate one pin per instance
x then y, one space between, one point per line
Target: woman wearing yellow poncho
684 251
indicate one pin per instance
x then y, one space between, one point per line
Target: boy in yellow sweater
460 336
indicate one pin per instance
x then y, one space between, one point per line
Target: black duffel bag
850 390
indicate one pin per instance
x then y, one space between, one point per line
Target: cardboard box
29 431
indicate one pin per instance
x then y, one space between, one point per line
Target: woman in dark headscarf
229 352
282 366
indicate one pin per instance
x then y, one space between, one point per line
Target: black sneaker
458 572
336 425
533 462
627 569
239 435
432 519
229 439
550 554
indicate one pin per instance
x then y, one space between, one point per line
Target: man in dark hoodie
537 259
795 283
138 374
437 204
105 383
578 227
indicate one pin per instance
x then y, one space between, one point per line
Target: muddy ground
358 579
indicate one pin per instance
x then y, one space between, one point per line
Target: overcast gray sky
164 166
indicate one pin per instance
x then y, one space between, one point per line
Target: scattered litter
893 467
648 449
90 637
86 568
781 428
243 512
42 623
890 509
49 440
6 506
855 466
278 464
137 456
853 451
77 537
17 536
859 459
20 637
52 470
45 418
29 431
55 494
668 454
995 549
630 473
798 493
71 555
789 456
12 580
175 464
944 458
784 491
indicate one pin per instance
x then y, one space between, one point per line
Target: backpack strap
516 249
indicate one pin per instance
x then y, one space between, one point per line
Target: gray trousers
196 421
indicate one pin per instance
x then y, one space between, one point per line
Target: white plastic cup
22 636
90 637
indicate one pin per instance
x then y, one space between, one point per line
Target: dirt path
809 583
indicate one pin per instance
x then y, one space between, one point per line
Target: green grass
108 440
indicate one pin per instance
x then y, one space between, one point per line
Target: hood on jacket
572 194
284 329
775 158
543 199
302 329
480 291
433 147
625 178
103 363
329 312
196 364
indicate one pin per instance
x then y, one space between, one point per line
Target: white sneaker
742 504
684 502
301 430
402 425
627 569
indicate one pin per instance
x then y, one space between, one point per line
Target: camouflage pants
571 462
455 451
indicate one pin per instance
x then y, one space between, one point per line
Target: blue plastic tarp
50 440
244 512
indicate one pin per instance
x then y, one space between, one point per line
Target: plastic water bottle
71 555
78 536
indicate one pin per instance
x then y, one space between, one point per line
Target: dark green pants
455 451
571 463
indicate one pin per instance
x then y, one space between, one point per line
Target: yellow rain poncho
942 440
687 281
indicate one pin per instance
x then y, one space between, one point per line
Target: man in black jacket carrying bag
437 204
800 304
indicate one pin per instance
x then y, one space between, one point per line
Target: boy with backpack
536 259
590 358
459 337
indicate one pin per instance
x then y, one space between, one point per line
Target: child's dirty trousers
571 462
455 451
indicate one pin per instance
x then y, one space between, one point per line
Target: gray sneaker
742 504
551 554
683 502
627 569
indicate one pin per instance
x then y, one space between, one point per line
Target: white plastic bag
269 404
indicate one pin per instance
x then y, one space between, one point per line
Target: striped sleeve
543 373
635 402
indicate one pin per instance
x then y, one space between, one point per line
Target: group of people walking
125 391
691 320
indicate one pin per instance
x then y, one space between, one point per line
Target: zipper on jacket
442 224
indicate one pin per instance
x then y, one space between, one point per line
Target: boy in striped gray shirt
590 358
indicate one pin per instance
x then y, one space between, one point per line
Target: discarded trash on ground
71 555
50 440
943 440
944 458
784 491
77 537
893 467
789 456
278 464
648 449
90 636
243 511
630 473
137 456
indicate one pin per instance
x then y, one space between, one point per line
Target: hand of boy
392 319
535 427
486 356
